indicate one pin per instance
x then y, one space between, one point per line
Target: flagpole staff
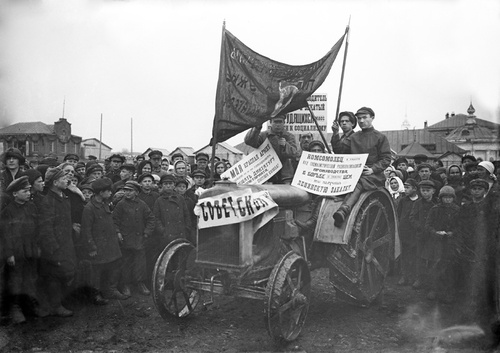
343 68
317 125
216 127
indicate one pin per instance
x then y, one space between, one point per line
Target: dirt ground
402 320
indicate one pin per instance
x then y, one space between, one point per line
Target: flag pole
214 137
343 68
100 139
317 125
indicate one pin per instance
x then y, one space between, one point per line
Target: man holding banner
283 142
370 141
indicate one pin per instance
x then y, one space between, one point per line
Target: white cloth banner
329 174
235 207
256 168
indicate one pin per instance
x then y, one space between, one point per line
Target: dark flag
253 88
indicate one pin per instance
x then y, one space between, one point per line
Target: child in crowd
135 223
19 228
418 219
103 242
407 233
440 245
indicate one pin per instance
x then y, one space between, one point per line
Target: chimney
452 113
425 124
447 115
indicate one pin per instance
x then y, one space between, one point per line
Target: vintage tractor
272 263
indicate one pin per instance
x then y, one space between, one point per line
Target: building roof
96 140
399 139
413 149
458 120
164 151
472 131
243 147
225 145
27 128
188 151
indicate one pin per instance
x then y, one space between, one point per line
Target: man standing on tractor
370 141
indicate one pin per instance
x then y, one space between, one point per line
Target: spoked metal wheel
287 294
358 269
171 296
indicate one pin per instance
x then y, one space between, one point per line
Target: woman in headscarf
486 171
180 171
396 187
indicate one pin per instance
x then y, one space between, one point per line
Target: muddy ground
401 321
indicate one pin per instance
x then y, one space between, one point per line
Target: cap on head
102 184
18 184
117 156
365 110
181 181
86 187
488 166
167 178
480 183
423 165
155 153
447 191
469 157
420 157
412 182
128 166
202 156
132 185
352 117
52 174
96 167
14 153
145 175
317 143
32 175
426 183
71 156
199 173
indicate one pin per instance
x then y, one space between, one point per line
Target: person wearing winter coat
58 260
103 245
19 221
440 248
135 223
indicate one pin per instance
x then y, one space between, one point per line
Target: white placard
256 168
329 174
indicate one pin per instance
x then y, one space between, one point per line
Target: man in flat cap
127 171
12 160
202 163
58 258
115 162
283 143
347 122
71 158
370 141
135 223
19 221
155 157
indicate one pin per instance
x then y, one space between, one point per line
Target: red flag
253 88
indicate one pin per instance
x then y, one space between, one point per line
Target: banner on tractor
329 174
235 207
256 168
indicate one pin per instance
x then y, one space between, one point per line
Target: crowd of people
74 224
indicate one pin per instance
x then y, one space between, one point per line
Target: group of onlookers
73 225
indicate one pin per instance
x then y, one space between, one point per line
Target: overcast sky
157 61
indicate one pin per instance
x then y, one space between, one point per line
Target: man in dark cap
12 160
424 172
347 122
115 162
202 163
103 242
468 159
19 222
317 146
58 258
135 223
283 143
370 141
176 157
94 171
401 163
155 157
71 158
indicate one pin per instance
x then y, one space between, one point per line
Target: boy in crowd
418 219
181 187
135 223
148 193
199 178
424 171
103 242
171 214
19 227
407 233
441 244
